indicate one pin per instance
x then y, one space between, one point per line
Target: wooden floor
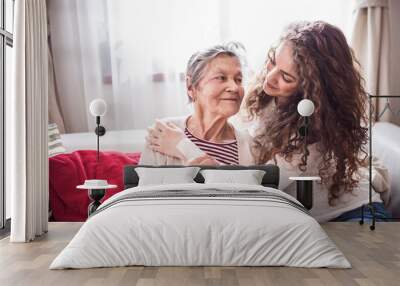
374 255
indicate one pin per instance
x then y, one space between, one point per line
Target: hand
164 137
203 160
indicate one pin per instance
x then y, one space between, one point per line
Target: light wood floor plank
375 257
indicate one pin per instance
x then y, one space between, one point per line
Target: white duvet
206 230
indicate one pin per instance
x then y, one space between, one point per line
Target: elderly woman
214 87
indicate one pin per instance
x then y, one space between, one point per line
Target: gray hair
199 60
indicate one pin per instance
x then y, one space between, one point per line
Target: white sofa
386 146
129 141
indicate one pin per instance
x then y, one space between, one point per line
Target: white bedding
114 140
201 230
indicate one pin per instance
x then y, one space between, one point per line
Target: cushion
248 177
55 144
162 176
66 171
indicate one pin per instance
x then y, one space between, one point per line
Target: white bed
252 226
386 146
129 141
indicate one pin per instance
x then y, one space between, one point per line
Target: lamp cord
305 139
98 136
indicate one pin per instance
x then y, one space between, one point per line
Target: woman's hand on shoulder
164 138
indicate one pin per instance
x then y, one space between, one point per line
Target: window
6 44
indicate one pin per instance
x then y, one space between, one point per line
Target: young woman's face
220 91
281 77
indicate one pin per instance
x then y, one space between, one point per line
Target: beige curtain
55 115
370 39
394 18
28 118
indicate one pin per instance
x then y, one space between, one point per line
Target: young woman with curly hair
314 61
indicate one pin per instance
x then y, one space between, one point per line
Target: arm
291 169
149 157
380 179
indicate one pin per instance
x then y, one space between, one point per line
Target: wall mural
151 97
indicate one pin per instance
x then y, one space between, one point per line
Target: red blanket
66 171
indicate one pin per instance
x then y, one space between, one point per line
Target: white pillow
249 177
164 176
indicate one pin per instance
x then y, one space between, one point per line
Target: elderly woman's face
281 76
220 91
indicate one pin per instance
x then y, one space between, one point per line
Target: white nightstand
304 189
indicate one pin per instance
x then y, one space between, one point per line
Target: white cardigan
150 157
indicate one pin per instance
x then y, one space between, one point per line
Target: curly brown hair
329 76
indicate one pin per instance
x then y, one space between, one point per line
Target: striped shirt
224 153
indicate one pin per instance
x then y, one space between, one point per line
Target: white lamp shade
305 107
98 107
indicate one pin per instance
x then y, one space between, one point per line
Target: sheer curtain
133 53
150 43
130 53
